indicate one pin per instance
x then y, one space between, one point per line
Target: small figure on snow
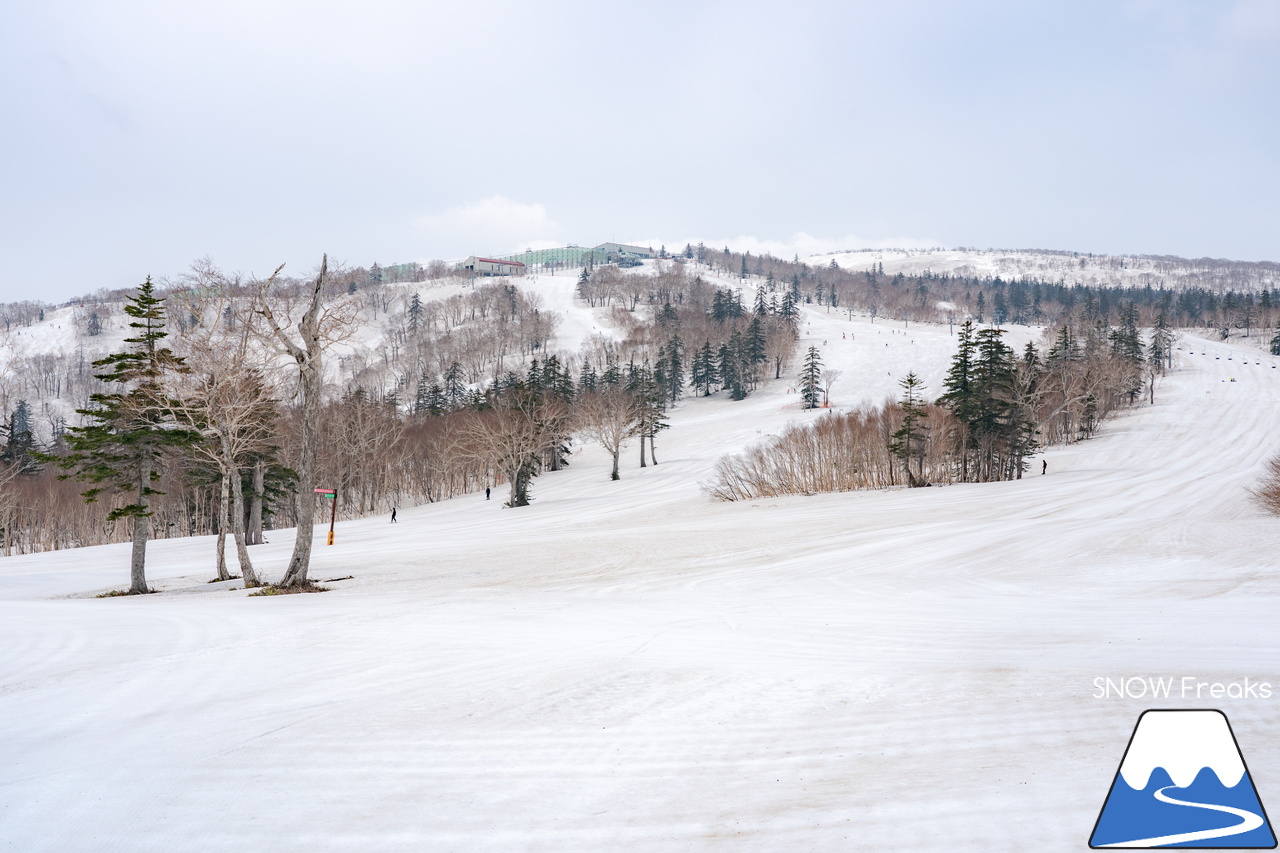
393 515
1044 467
486 493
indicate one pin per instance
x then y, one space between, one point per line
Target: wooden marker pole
333 514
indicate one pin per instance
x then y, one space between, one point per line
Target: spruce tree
673 379
703 373
993 425
1161 348
718 311
587 379
651 398
727 368
420 397
415 313
1000 311
612 376
788 311
121 447
959 395
1126 346
811 378
737 376
910 441
761 306
1065 348
19 449
455 385
755 346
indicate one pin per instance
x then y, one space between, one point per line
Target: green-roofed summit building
579 256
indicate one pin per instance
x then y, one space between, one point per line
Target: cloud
493 225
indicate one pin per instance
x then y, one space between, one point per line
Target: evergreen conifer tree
1126 345
727 368
761 306
910 441
587 379
673 383
959 394
19 449
1000 310
1161 348
993 424
455 385
127 434
704 373
811 378
415 312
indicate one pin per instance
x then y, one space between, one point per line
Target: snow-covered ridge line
1069 267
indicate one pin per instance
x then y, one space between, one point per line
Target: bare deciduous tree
318 327
511 438
611 417
1268 491
224 397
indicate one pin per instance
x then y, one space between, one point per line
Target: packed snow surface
630 666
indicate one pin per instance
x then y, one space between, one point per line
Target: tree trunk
224 508
141 533
237 527
642 454
520 485
255 503
296 574
653 453
308 353
614 475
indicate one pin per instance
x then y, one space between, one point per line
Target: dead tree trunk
307 352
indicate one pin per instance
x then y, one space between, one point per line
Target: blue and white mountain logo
1183 783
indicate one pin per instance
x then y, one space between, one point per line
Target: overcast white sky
138 136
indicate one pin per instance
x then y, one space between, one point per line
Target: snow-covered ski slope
629 666
1064 267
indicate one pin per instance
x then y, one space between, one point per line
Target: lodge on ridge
553 259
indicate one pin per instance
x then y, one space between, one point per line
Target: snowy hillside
1069 267
628 665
